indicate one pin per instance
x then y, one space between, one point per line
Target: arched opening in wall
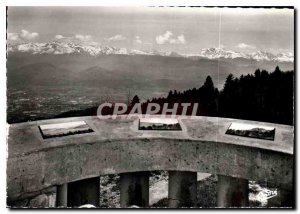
206 190
158 188
110 190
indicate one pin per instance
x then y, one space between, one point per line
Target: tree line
262 96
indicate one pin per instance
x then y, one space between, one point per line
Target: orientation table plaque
64 129
253 131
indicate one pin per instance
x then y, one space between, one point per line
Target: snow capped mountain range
95 50
215 53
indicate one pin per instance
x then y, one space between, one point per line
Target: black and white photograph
247 130
159 124
150 107
62 129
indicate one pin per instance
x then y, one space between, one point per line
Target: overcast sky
185 30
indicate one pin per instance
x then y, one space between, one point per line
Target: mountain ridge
59 48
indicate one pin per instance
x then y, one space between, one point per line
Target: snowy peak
95 50
281 57
284 57
217 53
65 48
262 55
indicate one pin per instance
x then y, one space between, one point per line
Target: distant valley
48 83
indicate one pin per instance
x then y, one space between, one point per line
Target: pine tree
208 84
229 82
135 100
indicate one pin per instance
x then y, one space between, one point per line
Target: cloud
27 35
138 40
22 35
59 37
162 39
13 36
118 37
245 46
83 37
168 37
180 40
77 38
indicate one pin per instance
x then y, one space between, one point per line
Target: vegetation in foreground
262 96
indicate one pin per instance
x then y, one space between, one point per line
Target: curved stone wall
117 146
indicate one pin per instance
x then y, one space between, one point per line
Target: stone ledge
117 146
